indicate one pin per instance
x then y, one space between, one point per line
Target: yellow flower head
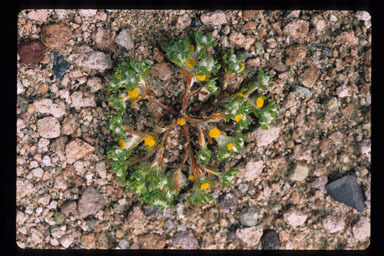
205 186
201 78
238 95
191 62
242 67
122 143
260 102
133 94
238 117
139 187
191 48
181 121
117 75
214 133
149 141
230 146
191 178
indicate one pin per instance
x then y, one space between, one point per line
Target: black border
8 134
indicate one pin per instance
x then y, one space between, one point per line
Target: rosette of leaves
138 158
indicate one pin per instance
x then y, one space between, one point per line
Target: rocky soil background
304 184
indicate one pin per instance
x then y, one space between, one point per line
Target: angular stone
124 39
90 202
297 29
318 23
346 38
295 217
77 149
55 36
300 172
94 83
185 240
251 236
161 71
87 12
103 40
100 169
347 191
48 127
303 92
69 126
45 106
31 53
83 99
270 240
58 147
151 241
137 220
264 137
320 182
60 67
85 56
183 22
38 15
249 216
249 14
88 240
214 18
237 39
66 241
23 188
69 207
333 224
228 201
253 170
362 230
310 76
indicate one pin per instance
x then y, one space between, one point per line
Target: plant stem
169 110
189 78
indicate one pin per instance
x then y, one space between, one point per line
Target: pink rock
77 149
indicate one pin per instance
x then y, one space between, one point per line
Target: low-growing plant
137 159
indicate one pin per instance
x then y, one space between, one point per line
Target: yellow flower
191 48
191 62
260 102
205 186
238 117
122 143
149 141
133 94
201 78
139 187
117 75
191 178
214 133
238 95
242 67
230 146
181 121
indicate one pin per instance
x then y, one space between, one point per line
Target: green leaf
204 155
227 177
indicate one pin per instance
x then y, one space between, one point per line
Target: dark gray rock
60 66
270 240
347 191
228 201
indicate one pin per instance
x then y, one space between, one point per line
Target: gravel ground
304 184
